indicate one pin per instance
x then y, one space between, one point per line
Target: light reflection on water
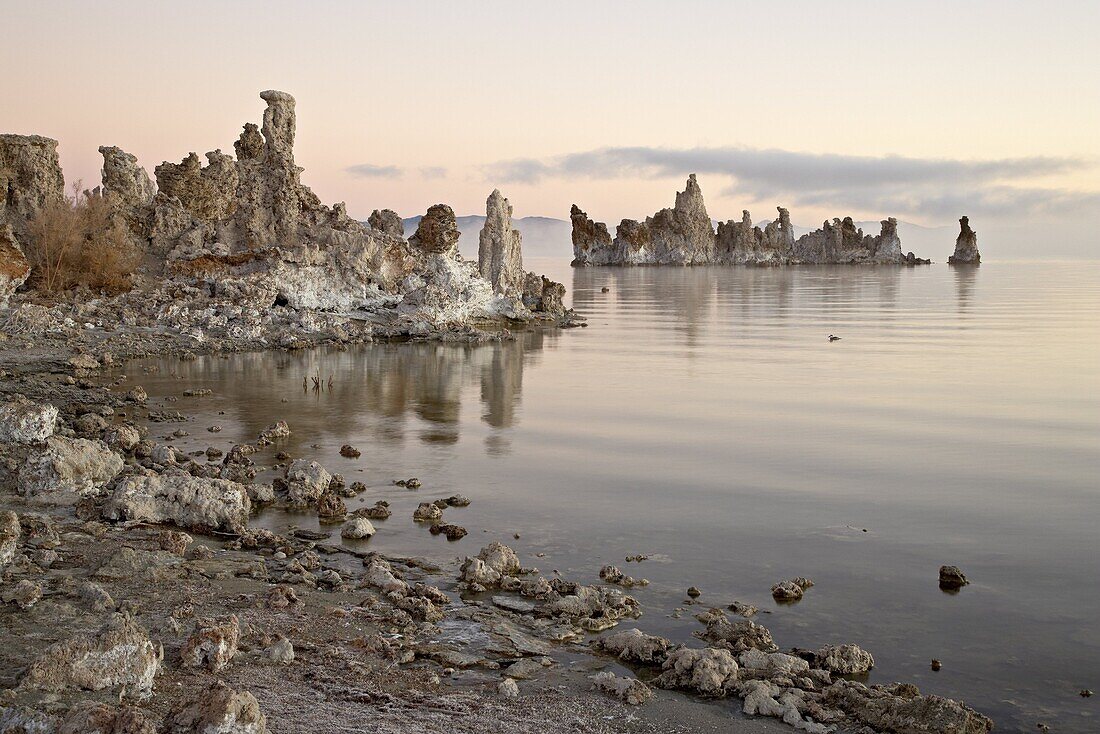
704 418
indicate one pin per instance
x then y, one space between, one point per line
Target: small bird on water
834 338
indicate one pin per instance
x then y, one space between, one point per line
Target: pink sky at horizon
460 87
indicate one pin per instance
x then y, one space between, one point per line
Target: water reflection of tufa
371 390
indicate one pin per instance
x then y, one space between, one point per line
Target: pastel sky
921 110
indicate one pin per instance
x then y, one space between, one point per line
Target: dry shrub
78 242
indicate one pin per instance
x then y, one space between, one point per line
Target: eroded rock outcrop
30 178
127 187
500 257
966 246
683 235
591 240
437 232
387 221
14 266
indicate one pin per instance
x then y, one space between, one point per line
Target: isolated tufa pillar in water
966 246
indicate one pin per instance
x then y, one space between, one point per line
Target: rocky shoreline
149 602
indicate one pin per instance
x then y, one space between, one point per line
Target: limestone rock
737 636
10 530
92 717
30 176
25 422
426 512
635 646
844 659
500 257
841 242
508 688
709 672
204 192
492 564
387 221
280 652
629 690
194 503
901 708
220 710
306 482
212 644
119 656
127 188
68 469
357 528
591 240
437 232
14 266
966 246
683 235
762 664
542 295
24 594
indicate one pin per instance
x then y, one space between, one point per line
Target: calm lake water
704 419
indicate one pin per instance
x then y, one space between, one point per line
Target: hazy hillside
549 237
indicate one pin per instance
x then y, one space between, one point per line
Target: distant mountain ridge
550 237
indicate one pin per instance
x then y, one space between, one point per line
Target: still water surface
704 419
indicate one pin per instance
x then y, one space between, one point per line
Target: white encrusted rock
629 690
219 710
710 671
306 482
357 528
25 422
189 502
120 656
500 256
68 469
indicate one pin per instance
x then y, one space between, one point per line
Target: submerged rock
966 246
901 708
189 502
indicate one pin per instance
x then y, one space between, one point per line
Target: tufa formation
683 235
